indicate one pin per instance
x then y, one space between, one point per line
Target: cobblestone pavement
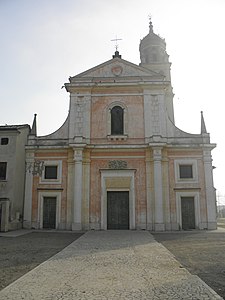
110 265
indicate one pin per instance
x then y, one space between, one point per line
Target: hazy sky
43 42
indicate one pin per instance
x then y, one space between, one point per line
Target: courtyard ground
19 255
201 252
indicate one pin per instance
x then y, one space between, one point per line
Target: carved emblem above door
117 164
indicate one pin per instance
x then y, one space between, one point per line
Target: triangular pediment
116 67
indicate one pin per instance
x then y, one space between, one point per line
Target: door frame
41 196
109 183
196 196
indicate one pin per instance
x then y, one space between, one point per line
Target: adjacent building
13 139
119 161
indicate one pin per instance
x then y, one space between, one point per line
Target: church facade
119 161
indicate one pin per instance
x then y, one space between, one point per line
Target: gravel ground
18 255
201 252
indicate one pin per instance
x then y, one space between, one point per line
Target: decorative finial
150 24
117 54
34 126
203 127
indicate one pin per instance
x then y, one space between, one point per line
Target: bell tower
153 53
155 58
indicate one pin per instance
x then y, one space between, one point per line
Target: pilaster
165 176
70 185
158 183
210 190
154 114
149 192
79 120
78 183
86 192
28 191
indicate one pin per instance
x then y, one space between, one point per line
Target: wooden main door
117 210
49 212
188 213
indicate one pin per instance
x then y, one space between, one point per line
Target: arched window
117 121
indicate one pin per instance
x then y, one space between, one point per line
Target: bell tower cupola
153 53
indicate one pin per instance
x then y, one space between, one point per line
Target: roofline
116 59
13 127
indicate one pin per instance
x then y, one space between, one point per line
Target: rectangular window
51 172
186 171
3 167
4 141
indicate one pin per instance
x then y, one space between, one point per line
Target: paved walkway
110 265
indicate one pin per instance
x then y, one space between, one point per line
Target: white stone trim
112 157
41 196
57 163
104 189
113 94
158 189
186 161
78 189
210 190
149 196
196 197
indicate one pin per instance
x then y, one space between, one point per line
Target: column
27 214
167 217
70 193
149 189
210 190
157 161
78 183
86 192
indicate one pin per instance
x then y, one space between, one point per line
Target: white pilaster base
160 227
175 226
76 226
212 225
27 224
150 226
141 226
95 226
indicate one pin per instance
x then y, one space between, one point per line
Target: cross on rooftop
150 23
116 40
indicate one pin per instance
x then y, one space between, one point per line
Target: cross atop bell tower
150 24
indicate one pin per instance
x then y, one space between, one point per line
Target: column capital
29 156
78 154
207 157
157 153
